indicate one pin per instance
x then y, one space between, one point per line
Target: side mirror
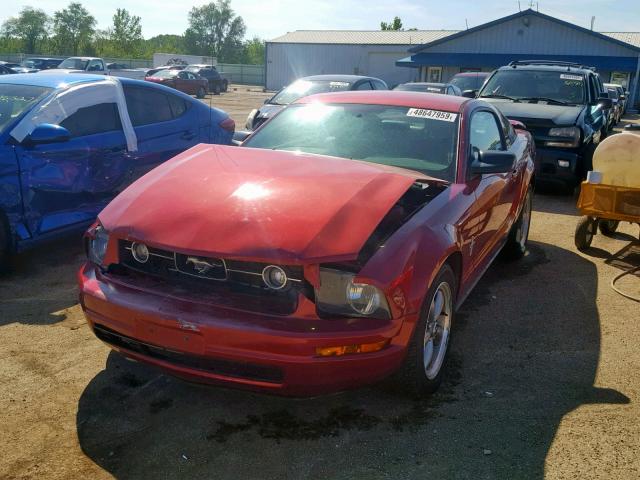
48 133
622 97
240 136
470 93
492 161
517 124
605 102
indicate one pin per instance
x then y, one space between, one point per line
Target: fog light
564 163
349 349
274 277
140 252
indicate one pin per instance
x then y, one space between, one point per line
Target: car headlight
568 137
340 295
97 244
250 118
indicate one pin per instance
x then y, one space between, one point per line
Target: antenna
593 21
210 103
519 7
465 21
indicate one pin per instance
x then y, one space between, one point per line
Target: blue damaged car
69 143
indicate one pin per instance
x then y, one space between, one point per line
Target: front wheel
225 86
516 245
422 370
216 89
201 92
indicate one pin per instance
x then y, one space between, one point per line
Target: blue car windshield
16 99
412 138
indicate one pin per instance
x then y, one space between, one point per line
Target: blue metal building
529 35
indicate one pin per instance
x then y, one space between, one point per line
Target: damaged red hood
257 204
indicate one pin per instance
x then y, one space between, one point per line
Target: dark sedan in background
41 63
184 81
309 86
442 88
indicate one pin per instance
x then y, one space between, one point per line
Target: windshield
471 82
74 64
416 139
29 64
302 88
166 73
531 85
16 99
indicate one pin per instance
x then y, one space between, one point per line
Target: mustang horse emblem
201 266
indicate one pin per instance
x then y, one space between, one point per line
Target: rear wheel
225 86
201 92
422 370
585 231
216 89
516 245
608 227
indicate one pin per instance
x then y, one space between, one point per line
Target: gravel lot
544 383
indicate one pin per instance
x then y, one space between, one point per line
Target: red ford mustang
329 251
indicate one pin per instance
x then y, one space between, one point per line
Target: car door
165 124
68 183
492 206
182 82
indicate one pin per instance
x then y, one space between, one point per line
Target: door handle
188 135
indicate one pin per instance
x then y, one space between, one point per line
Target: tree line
214 30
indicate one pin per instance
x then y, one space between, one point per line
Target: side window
485 133
100 118
191 76
593 89
147 105
183 75
95 66
178 105
378 85
364 86
508 133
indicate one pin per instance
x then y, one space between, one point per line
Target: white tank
617 158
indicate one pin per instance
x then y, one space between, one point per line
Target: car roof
447 103
339 78
51 80
43 58
201 65
550 68
428 84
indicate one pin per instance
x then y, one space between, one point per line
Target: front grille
216 366
224 282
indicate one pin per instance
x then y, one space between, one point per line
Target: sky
271 18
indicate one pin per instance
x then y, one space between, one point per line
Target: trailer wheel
585 230
608 227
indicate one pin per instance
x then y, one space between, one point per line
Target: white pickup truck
97 66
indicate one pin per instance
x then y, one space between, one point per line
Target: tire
418 375
201 93
585 231
608 227
216 89
225 86
516 245
5 245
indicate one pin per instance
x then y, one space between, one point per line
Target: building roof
415 37
363 37
523 13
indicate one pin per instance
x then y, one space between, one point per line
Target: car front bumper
557 166
200 342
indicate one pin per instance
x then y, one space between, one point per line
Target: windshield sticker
565 76
338 84
433 114
433 89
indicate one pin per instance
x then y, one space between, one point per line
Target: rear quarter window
148 105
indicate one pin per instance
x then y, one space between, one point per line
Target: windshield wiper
545 99
495 95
